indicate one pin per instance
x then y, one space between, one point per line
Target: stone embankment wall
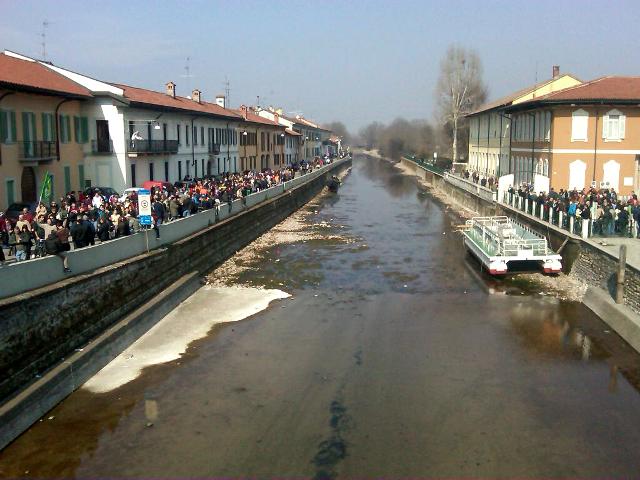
43 326
598 269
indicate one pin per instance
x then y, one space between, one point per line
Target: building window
65 129
81 177
547 126
202 169
201 135
186 134
81 129
133 174
48 127
179 169
151 171
195 135
166 171
67 179
11 192
178 134
579 125
613 126
7 127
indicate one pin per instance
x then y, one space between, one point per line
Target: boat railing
500 236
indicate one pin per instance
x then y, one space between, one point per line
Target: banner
45 190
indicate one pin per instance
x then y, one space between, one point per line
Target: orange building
582 136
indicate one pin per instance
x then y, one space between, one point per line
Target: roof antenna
43 37
187 75
227 90
535 83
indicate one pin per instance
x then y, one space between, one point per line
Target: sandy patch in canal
300 227
170 337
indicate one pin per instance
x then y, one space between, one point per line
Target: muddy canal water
391 356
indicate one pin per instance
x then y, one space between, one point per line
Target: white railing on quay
574 224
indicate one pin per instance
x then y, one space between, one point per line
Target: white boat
500 242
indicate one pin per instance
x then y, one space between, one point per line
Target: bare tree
459 89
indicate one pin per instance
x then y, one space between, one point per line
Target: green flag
45 190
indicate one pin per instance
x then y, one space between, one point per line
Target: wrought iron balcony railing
37 150
214 148
101 146
153 146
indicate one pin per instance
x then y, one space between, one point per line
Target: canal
384 352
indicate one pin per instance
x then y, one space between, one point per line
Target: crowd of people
490 181
609 215
80 219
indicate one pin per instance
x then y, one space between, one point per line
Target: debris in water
149 424
51 417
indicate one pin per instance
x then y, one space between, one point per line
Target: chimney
220 101
556 71
195 95
171 89
243 109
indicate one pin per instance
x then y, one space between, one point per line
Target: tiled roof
508 99
604 88
254 118
158 99
29 75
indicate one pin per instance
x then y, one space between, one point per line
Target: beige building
490 133
42 129
583 136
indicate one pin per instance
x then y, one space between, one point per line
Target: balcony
153 147
101 147
37 151
214 148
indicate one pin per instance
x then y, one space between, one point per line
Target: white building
138 134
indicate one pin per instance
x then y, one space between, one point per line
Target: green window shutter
68 126
26 136
61 123
76 129
32 121
45 127
84 128
11 192
81 176
12 136
3 126
67 179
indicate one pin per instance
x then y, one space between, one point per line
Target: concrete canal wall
43 326
583 259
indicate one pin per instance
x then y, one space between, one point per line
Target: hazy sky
355 61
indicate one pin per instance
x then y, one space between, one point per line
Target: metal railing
37 150
101 146
504 237
153 146
609 226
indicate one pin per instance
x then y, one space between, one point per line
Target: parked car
108 191
15 209
158 185
129 191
